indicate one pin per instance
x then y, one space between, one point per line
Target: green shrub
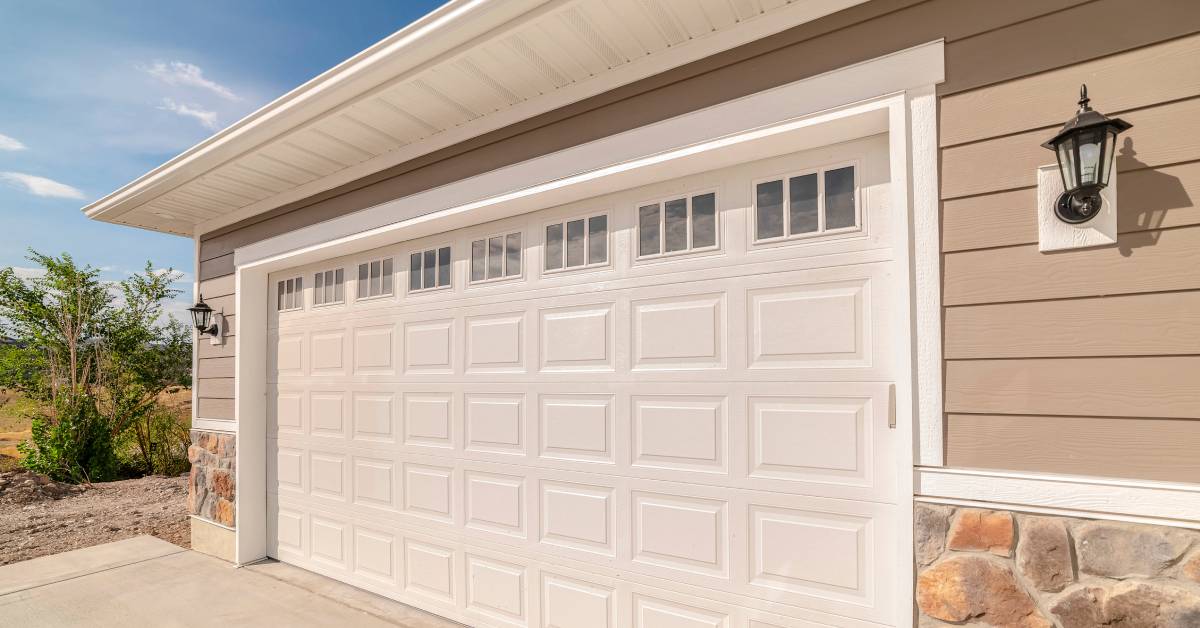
157 444
73 444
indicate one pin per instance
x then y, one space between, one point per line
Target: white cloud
41 186
180 73
10 143
205 117
23 272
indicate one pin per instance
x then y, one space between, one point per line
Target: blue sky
94 94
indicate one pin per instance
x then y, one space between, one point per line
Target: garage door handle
892 406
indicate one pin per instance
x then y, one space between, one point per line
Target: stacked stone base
996 568
212 485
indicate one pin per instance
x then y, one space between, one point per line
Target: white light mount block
218 321
1056 235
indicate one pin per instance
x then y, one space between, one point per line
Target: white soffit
470 67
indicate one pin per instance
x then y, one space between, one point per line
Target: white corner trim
1102 498
891 74
927 273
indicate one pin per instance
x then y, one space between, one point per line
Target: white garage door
663 407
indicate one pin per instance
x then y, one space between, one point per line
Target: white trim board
1099 498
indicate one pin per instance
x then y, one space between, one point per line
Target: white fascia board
692 50
780 110
444 30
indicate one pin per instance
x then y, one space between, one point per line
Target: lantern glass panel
1110 151
1066 163
1090 141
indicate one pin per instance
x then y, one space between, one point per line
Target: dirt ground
40 517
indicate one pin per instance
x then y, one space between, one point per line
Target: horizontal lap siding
214 369
1086 361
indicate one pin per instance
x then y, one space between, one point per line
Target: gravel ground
40 517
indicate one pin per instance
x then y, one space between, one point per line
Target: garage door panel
693 439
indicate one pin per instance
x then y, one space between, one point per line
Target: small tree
97 355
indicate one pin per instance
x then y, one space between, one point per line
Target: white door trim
893 94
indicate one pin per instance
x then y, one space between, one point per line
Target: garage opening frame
893 94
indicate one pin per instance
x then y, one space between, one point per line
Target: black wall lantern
205 321
1085 148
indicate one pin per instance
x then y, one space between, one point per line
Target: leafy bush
156 444
74 445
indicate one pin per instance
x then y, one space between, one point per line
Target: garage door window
429 269
496 257
805 205
329 287
290 295
577 243
678 225
375 278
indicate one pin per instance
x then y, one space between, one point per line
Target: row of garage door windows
794 206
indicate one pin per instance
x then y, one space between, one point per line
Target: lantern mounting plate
1056 232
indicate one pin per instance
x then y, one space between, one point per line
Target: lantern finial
1083 99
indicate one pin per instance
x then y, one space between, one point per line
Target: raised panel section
373 482
289 354
495 502
429 347
374 554
429 570
653 613
680 432
373 416
327 353
679 332
327 411
373 350
495 423
815 439
289 469
578 338
289 530
809 326
570 603
577 427
680 532
288 412
428 419
494 343
428 491
496 588
327 475
328 541
578 516
807 552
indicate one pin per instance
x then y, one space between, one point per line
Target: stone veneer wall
996 568
213 482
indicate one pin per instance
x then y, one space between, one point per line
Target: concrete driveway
146 581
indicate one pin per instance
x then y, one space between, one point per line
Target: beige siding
1166 324
1042 349
1148 449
